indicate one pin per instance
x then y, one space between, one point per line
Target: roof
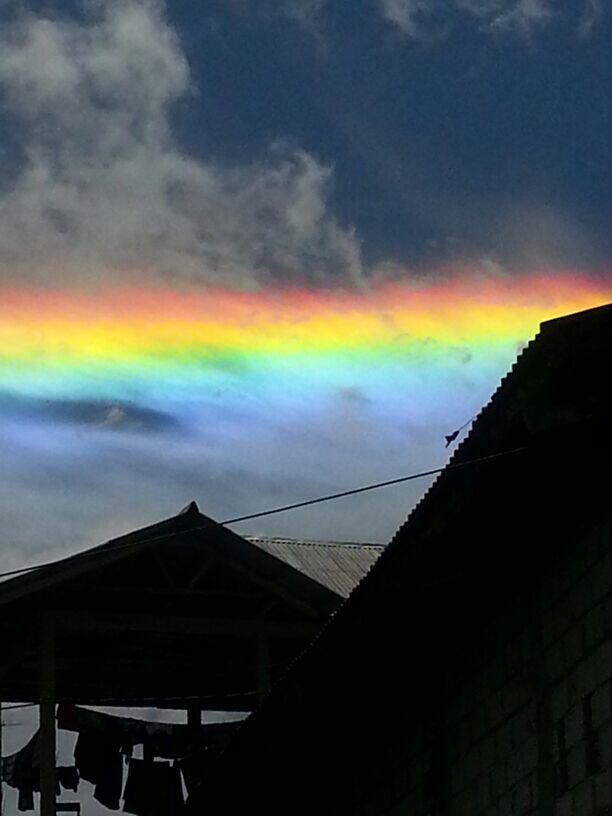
131 613
523 485
339 566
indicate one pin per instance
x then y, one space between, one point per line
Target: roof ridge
583 314
482 416
358 545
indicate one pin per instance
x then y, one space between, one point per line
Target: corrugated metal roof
339 566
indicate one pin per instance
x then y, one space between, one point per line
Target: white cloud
522 17
591 16
304 12
414 17
105 187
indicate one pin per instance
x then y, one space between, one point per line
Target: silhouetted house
182 614
471 671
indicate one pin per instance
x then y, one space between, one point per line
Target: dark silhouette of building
470 673
182 614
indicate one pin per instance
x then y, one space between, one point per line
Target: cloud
591 16
116 416
304 12
104 190
414 18
522 17
419 19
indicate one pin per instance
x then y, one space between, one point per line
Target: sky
252 253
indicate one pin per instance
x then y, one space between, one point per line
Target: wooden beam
47 718
103 622
156 592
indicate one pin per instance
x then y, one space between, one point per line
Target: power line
260 514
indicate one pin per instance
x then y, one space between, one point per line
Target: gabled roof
335 567
133 613
339 566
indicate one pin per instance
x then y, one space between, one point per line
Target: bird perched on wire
450 438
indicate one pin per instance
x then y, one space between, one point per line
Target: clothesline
104 741
109 547
133 701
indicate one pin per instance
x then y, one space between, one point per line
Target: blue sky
401 134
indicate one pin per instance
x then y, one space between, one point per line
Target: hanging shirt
98 760
153 789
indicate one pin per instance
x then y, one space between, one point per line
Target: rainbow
286 349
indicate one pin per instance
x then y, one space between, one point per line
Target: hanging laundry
153 789
192 770
68 777
98 760
22 771
164 740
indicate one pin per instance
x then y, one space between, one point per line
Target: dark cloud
354 395
104 189
110 416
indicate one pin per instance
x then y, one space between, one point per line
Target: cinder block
504 805
495 708
462 804
594 670
472 765
603 660
602 787
457 777
522 727
564 806
559 701
601 704
594 627
514 768
590 552
576 764
479 723
602 577
583 800
573 725
607 602
577 599
487 753
572 646
496 783
523 800
529 753
504 740
554 661
604 741
556 621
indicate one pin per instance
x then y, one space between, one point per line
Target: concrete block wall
577 630
529 711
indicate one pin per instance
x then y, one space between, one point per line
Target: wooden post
1 762
47 719
194 717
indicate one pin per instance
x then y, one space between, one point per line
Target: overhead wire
103 550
